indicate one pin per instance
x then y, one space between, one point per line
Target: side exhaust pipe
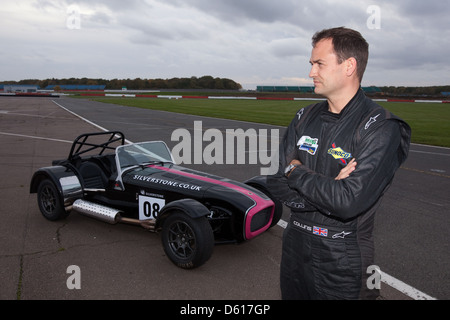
109 215
96 211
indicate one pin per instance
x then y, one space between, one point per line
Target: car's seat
93 176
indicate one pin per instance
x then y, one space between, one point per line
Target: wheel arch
65 180
190 207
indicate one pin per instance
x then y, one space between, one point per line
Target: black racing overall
328 243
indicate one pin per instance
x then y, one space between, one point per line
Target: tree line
205 82
415 91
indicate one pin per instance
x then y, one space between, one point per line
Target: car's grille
261 219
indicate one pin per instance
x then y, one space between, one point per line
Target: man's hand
293 163
345 172
296 162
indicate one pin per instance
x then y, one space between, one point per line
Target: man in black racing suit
337 159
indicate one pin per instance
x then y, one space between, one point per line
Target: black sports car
140 184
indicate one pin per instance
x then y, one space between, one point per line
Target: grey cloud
239 39
290 47
238 11
307 15
114 5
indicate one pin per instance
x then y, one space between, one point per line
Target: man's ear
351 66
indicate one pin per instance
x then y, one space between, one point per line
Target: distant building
20 88
301 89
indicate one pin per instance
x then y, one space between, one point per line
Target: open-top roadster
139 183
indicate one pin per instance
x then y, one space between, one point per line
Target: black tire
278 211
187 242
50 202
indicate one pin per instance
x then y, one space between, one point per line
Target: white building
22 88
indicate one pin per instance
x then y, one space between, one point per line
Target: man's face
328 75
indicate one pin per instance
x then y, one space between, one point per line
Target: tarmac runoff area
115 261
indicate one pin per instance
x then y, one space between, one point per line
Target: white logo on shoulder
300 113
371 121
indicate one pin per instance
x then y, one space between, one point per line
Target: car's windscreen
142 153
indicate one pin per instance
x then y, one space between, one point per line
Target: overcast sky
254 42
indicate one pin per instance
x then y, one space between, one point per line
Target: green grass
430 122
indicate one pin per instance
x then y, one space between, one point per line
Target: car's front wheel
49 201
187 242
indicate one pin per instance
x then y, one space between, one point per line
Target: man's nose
313 72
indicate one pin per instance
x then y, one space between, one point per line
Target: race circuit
122 262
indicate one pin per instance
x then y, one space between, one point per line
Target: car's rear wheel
187 242
50 202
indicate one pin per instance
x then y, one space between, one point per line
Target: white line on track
34 137
404 288
387 279
84 119
433 153
78 116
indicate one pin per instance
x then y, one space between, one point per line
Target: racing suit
328 243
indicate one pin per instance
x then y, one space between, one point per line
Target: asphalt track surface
127 262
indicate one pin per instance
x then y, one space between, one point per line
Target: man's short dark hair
347 43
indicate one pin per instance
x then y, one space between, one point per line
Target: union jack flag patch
320 231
